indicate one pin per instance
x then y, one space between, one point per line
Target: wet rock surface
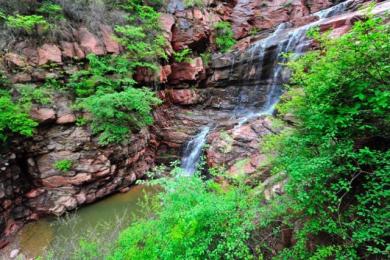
234 85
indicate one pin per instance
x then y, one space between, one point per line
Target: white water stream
288 41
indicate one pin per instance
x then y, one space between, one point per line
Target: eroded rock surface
195 94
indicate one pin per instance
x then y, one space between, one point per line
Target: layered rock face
229 95
32 187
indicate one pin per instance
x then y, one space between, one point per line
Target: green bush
63 165
13 118
182 55
338 159
224 36
27 23
194 3
52 11
30 94
114 115
106 90
142 36
193 220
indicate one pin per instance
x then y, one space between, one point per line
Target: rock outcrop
195 94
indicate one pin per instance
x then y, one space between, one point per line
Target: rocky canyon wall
194 94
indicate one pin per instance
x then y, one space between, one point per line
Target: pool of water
116 211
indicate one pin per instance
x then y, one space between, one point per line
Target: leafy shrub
30 94
182 55
106 90
27 23
206 58
338 157
194 3
195 220
63 165
115 114
225 36
142 35
51 11
13 118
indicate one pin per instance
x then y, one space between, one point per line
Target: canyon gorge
217 108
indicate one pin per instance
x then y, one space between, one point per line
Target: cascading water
334 10
286 40
295 43
193 151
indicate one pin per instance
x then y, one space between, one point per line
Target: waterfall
334 10
286 40
193 151
294 42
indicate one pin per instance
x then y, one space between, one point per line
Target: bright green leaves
28 23
106 90
182 55
142 36
13 118
337 157
192 222
225 36
115 114
63 165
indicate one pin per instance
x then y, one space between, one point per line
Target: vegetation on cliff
224 36
105 88
336 160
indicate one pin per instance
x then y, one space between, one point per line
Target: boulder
237 149
15 60
89 43
66 119
67 49
58 181
21 78
49 53
111 45
167 21
186 71
165 71
43 115
183 96
192 29
31 54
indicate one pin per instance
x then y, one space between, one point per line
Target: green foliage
338 159
142 35
254 31
27 23
194 3
225 36
182 55
115 114
206 58
63 165
106 88
30 94
106 91
51 11
196 219
87 250
13 118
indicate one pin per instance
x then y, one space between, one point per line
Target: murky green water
115 211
